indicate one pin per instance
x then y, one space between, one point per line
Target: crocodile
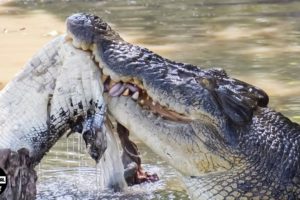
57 92
217 131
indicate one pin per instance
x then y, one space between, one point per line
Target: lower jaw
129 114
192 161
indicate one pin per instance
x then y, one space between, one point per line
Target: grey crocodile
217 131
57 92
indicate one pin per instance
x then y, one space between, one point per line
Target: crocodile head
193 118
192 112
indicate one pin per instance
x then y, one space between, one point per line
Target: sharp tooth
115 78
76 43
93 48
97 57
142 101
126 92
96 53
68 37
105 71
112 83
125 79
85 46
104 78
153 103
135 96
138 83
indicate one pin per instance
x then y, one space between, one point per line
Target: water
257 41
67 172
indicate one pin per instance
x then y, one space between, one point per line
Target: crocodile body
217 131
57 92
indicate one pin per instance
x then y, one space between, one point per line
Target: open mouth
134 89
115 86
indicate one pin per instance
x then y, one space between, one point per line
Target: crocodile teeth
115 78
76 43
85 46
126 92
104 78
97 57
68 37
112 75
105 70
135 96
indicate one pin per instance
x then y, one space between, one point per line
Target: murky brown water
257 41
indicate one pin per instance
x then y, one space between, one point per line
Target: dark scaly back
270 145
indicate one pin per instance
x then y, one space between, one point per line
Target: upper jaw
183 88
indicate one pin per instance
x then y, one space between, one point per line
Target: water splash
110 169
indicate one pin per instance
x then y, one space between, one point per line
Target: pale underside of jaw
175 142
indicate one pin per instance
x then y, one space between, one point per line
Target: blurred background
257 41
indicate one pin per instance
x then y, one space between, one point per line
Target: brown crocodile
217 131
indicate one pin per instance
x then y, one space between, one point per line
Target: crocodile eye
208 83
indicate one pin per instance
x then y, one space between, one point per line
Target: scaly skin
232 147
57 91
